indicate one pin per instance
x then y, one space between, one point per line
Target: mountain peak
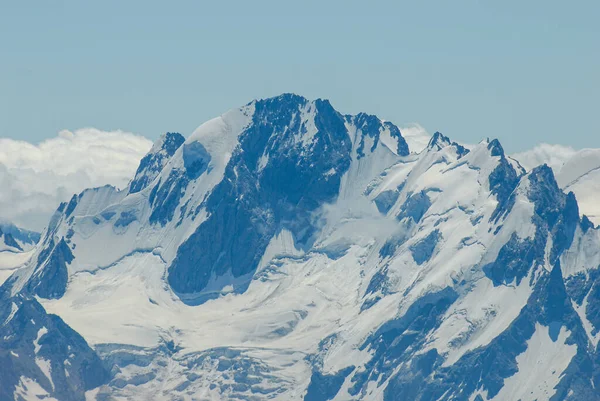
155 160
544 174
169 142
495 148
439 141
372 126
283 100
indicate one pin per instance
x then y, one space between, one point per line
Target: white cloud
553 155
579 164
416 137
34 179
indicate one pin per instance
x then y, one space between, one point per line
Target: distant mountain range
287 251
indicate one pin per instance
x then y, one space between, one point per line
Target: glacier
286 251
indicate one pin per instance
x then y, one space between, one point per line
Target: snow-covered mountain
15 239
287 251
16 246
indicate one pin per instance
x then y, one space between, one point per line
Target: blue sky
524 72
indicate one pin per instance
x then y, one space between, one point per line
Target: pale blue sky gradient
522 71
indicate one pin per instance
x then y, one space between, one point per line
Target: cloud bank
416 137
34 179
554 156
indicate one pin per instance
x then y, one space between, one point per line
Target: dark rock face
515 259
31 339
166 196
502 181
496 148
195 159
371 126
423 250
51 276
302 171
415 207
152 164
556 214
324 387
125 219
584 287
385 200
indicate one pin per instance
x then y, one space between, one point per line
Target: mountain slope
287 251
41 357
